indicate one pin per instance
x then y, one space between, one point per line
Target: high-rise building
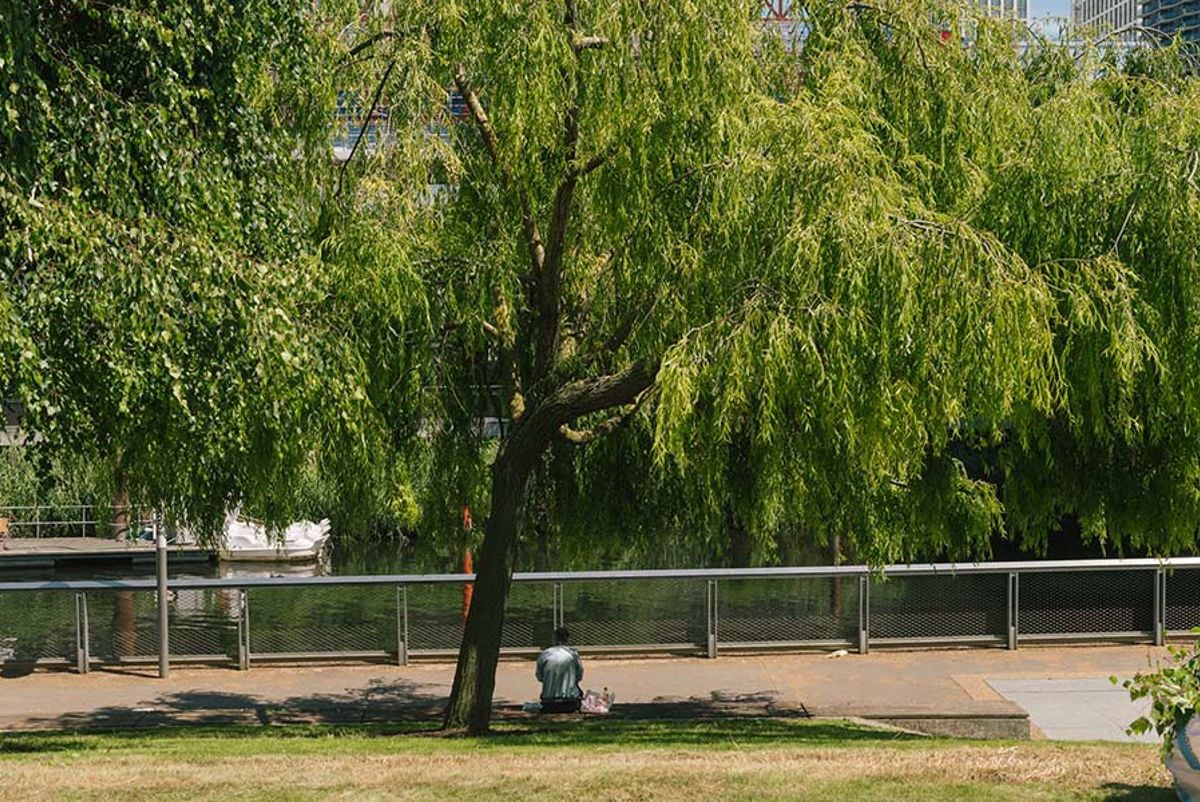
1012 9
1104 16
1173 17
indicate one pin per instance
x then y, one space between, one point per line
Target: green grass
590 759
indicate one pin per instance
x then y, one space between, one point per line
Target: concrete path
1077 709
964 692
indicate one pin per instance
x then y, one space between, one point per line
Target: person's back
560 671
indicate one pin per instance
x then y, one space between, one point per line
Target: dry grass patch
587 763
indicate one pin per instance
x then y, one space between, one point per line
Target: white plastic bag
595 702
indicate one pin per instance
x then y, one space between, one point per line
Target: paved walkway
1063 691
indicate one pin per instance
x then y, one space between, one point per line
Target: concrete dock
54 552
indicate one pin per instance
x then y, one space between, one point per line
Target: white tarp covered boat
249 541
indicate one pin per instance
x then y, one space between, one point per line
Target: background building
1103 16
1013 9
1172 17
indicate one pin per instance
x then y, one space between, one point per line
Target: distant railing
245 621
63 520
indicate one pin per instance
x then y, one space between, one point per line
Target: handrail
816 572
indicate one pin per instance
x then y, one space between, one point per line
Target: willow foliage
840 268
161 171
852 263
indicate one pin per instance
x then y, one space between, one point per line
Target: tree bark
119 523
470 708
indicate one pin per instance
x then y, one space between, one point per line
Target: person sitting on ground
560 671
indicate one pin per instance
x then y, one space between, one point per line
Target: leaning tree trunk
470 707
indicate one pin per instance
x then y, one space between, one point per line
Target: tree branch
593 163
588 42
533 235
455 325
571 401
548 285
579 437
363 130
371 41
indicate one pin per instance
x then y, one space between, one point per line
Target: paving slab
1077 709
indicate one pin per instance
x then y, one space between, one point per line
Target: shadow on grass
712 734
1120 792
733 733
41 744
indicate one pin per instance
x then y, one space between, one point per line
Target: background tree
162 167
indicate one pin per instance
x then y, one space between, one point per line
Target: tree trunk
119 523
739 545
470 707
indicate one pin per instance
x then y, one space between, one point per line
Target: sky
1056 8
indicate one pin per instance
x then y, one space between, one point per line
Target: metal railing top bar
820 571
816 572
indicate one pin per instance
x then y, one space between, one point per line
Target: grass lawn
594 759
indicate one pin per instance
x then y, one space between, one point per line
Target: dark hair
562 635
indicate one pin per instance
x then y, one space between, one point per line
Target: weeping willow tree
162 168
665 249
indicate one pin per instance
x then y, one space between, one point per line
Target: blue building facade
1173 17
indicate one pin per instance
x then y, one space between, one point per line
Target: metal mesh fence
436 614
330 619
1182 611
124 624
945 606
323 619
36 625
435 617
636 612
1086 602
528 616
787 610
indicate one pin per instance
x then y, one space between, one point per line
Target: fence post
164 628
558 614
1160 606
82 656
712 616
402 624
864 613
243 630
1012 609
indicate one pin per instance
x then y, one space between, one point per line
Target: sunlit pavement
1064 690
1076 709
